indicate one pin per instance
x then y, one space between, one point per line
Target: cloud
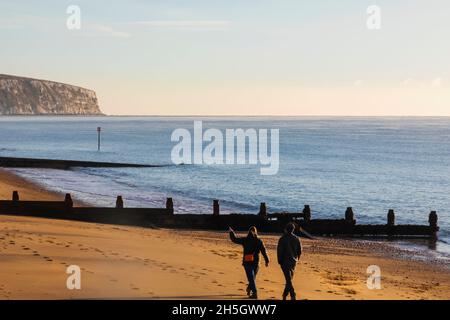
358 83
184 24
407 82
27 21
436 83
50 24
98 30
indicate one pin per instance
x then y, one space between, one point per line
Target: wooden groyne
267 222
10 162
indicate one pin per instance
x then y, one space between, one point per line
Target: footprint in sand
349 291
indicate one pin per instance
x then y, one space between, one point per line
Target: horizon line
223 116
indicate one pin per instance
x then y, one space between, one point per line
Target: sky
247 57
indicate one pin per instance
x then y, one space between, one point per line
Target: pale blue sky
238 57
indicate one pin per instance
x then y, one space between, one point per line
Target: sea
371 164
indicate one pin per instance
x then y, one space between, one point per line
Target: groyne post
432 220
119 202
307 212
15 196
349 215
216 208
169 205
262 210
68 200
391 217
390 223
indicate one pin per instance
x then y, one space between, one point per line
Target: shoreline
28 189
116 259
31 190
422 248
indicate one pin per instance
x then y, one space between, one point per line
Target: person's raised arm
233 237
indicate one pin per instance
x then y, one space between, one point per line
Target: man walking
289 251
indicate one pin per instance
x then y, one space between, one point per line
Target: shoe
284 296
293 297
253 296
248 291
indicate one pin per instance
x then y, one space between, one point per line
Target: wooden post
119 202
307 212
216 209
169 205
391 217
432 220
68 200
15 196
349 216
263 210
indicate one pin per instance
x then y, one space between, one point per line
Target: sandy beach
141 263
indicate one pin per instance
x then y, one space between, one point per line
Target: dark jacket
251 245
289 249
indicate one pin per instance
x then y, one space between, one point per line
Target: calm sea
330 163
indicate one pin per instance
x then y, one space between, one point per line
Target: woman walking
252 246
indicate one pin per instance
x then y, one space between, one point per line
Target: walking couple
289 250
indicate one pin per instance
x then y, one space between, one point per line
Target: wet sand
139 263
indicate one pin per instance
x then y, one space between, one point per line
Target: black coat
289 250
251 245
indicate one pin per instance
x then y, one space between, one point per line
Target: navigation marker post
99 130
